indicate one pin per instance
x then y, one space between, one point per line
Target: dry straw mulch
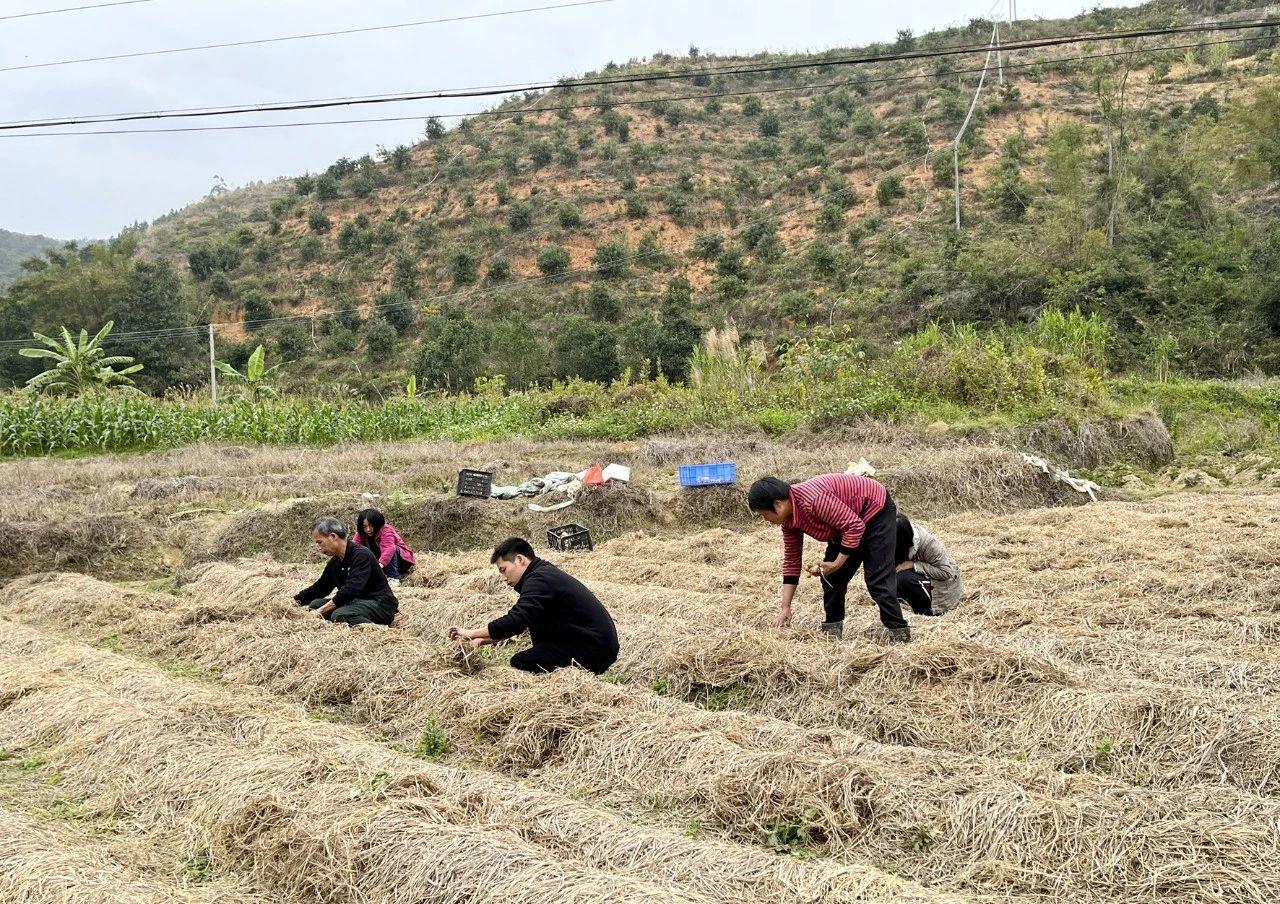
313 811
986 824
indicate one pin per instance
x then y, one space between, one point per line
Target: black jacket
556 608
357 576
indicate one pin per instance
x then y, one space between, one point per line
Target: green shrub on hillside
463 266
310 250
520 216
256 307
326 187
568 216
380 340
499 270
603 304
553 260
586 349
889 189
318 221
397 310
611 260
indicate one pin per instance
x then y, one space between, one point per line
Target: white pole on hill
999 55
955 145
955 162
213 371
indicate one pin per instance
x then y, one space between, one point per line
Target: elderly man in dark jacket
363 595
565 621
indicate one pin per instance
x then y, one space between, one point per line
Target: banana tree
256 378
80 365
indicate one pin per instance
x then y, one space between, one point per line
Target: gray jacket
935 563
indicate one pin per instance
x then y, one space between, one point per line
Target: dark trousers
875 556
360 612
547 657
397 567
915 592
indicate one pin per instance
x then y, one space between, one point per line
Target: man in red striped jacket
857 519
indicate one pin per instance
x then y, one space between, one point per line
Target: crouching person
566 622
385 542
362 594
914 590
928 560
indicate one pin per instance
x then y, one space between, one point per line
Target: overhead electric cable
72 9
254 42
14 130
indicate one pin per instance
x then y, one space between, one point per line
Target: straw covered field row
125 517
1097 721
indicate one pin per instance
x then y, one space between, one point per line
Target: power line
303 37
72 9
472 91
1087 37
480 90
13 130
201 112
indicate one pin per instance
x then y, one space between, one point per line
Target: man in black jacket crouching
565 621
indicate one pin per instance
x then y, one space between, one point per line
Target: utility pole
999 55
213 371
955 145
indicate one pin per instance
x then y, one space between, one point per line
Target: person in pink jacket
385 542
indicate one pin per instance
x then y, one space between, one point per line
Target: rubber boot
899 635
833 628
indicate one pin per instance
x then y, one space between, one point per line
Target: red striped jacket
828 507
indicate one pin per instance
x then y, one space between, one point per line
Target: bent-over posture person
856 518
385 542
928 558
362 594
913 588
566 622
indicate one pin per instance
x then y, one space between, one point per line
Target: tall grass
121 423
953 374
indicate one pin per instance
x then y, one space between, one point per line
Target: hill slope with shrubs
598 231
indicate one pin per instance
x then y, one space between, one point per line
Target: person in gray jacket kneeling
923 559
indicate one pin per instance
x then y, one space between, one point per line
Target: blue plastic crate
708 475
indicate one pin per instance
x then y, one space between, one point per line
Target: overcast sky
91 186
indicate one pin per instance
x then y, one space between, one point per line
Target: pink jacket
389 540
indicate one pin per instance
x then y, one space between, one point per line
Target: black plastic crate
570 537
475 483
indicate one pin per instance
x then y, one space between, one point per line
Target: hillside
602 229
15 248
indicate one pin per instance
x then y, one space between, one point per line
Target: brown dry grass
1096 721
992 824
957 688
138 515
317 811
43 862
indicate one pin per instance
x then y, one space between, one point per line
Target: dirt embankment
145 516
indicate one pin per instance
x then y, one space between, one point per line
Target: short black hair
765 492
511 547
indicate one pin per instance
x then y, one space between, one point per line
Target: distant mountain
15 248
